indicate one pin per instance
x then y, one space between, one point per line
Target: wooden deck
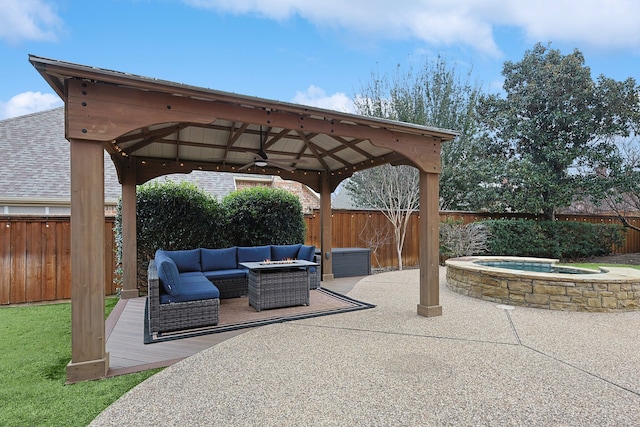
125 336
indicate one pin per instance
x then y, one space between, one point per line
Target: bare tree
394 191
374 238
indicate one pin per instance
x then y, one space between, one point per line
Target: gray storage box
348 262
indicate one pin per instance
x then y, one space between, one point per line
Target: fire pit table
275 284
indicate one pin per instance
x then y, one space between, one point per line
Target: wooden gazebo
152 128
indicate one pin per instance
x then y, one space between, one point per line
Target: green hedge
264 216
552 239
171 216
174 216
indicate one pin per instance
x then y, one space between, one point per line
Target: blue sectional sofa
183 281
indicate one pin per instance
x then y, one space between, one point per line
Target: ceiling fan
261 159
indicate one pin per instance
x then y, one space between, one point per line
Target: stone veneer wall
567 294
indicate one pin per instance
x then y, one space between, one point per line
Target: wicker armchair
178 315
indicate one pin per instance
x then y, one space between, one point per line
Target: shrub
459 239
582 240
263 216
552 239
519 238
172 216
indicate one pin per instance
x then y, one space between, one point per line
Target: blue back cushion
280 252
188 260
307 253
218 259
253 253
168 274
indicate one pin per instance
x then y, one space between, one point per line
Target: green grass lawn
36 347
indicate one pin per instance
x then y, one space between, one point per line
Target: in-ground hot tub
540 283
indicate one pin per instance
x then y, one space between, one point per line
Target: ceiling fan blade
281 166
247 166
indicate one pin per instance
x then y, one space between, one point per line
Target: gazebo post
325 227
429 305
89 359
129 240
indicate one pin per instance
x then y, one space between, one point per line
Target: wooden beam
104 112
89 359
429 305
423 152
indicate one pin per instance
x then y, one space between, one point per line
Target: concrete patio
477 364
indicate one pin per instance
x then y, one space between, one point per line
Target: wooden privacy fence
370 229
35 252
35 259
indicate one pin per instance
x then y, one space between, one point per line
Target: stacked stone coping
612 290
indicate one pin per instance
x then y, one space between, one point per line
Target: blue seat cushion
168 274
184 276
253 254
233 273
307 252
218 259
187 260
192 288
280 252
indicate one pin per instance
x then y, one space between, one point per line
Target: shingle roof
37 165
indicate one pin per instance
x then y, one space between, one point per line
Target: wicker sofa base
183 315
177 315
232 288
279 288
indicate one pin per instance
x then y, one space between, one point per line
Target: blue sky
315 52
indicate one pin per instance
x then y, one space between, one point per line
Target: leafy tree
554 121
617 183
436 96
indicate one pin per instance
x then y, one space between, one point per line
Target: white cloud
28 102
600 23
316 97
28 20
